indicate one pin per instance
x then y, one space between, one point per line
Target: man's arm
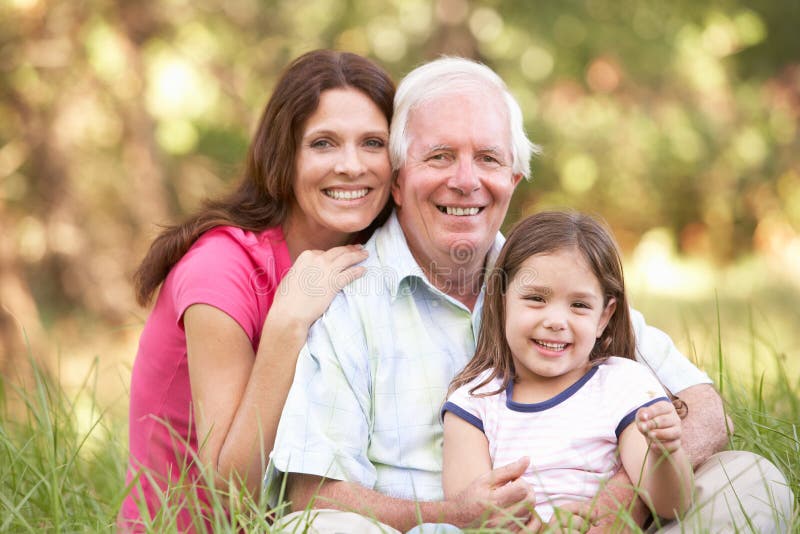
704 429
496 497
703 434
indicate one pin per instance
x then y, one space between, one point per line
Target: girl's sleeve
635 387
462 404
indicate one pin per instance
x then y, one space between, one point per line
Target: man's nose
349 162
465 179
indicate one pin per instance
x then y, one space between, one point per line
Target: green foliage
62 459
119 117
61 464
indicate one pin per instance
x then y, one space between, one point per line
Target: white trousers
735 491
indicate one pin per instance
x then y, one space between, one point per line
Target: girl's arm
656 462
465 455
238 395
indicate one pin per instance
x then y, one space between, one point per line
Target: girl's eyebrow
585 295
532 288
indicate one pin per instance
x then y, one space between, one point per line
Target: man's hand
499 498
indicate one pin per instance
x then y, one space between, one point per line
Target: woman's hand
660 425
316 276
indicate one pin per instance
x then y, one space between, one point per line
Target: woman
213 367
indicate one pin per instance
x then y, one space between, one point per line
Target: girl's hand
316 276
660 425
567 518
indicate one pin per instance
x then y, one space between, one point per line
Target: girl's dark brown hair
545 233
265 191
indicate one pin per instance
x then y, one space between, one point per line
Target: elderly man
360 430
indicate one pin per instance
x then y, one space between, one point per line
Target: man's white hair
450 76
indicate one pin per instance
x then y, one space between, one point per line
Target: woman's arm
655 461
237 395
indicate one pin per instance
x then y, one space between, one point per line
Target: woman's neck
300 236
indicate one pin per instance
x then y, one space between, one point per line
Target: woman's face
342 171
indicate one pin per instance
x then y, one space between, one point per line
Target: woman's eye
321 143
375 143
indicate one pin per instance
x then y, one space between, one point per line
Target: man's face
453 191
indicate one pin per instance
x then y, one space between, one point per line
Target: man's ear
397 188
516 178
605 317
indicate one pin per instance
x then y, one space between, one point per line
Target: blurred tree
118 117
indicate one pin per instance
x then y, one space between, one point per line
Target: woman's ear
605 317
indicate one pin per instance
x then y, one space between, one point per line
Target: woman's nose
349 162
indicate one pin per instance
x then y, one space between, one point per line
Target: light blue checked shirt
371 380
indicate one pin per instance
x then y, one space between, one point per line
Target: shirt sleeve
218 271
325 425
462 404
632 386
655 349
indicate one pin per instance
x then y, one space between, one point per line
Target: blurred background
676 121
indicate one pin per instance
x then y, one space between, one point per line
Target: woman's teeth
338 194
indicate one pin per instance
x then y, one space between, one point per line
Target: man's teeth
551 346
346 195
459 211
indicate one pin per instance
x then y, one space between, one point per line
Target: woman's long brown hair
544 233
264 194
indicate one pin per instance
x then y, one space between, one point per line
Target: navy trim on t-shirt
628 419
544 405
463 414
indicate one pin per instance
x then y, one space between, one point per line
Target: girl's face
554 313
342 170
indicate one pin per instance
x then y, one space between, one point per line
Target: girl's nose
554 323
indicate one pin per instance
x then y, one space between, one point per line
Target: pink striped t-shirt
571 439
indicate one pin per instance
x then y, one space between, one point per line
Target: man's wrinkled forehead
479 110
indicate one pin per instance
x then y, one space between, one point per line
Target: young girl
553 378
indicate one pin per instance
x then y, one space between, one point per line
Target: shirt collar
394 254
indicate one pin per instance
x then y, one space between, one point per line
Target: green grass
62 457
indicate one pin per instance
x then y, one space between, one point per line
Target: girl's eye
582 305
535 298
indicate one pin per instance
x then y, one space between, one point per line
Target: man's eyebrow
435 148
495 150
